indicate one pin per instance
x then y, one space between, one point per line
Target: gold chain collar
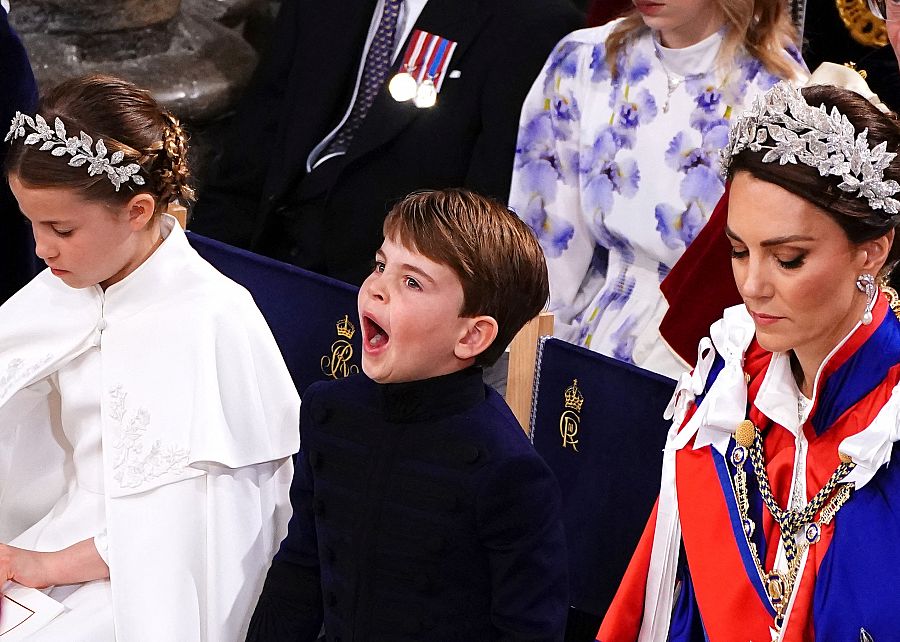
779 585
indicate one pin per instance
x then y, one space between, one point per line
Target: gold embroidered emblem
570 418
776 588
337 365
865 28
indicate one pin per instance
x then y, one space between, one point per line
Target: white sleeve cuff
101 543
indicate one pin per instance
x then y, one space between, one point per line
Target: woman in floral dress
617 164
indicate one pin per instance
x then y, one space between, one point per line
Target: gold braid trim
864 28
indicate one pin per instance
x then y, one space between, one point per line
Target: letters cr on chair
598 424
313 318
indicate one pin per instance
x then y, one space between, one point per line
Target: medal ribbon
429 43
412 58
425 60
438 68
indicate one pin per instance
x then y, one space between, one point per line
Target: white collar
778 393
724 406
777 396
160 269
695 59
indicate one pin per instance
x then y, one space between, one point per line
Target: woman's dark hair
859 221
127 119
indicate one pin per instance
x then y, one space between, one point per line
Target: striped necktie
377 65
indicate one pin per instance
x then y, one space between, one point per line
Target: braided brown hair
127 119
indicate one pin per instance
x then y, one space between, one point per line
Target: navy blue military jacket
421 511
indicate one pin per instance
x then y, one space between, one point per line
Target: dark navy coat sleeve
519 523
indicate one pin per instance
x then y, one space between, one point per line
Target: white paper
24 611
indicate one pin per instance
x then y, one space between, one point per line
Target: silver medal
426 96
403 87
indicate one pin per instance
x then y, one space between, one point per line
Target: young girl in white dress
147 419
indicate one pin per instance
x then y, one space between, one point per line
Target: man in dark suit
19 93
270 190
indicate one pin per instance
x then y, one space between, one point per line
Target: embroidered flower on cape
18 372
136 458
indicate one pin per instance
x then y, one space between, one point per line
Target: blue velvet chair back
18 263
598 424
313 317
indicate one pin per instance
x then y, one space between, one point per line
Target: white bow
725 405
714 422
871 448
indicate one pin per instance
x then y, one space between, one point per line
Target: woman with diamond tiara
778 510
147 419
617 166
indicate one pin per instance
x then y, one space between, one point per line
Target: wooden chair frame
522 360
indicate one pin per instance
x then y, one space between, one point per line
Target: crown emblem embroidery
573 397
570 419
337 365
345 327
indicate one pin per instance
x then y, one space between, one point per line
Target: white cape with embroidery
199 420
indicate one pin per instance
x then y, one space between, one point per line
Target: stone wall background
196 56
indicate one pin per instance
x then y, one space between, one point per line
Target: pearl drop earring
865 283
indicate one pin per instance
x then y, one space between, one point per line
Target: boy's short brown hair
495 255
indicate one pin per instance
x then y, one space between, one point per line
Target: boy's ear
480 334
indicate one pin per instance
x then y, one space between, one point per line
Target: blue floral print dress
617 176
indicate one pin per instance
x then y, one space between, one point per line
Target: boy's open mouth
373 334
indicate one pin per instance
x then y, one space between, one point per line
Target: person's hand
78 563
28 568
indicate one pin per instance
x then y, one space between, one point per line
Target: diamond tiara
792 131
82 148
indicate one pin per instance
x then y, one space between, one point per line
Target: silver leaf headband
782 122
82 148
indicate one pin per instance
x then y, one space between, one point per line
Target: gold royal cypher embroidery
570 418
337 365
